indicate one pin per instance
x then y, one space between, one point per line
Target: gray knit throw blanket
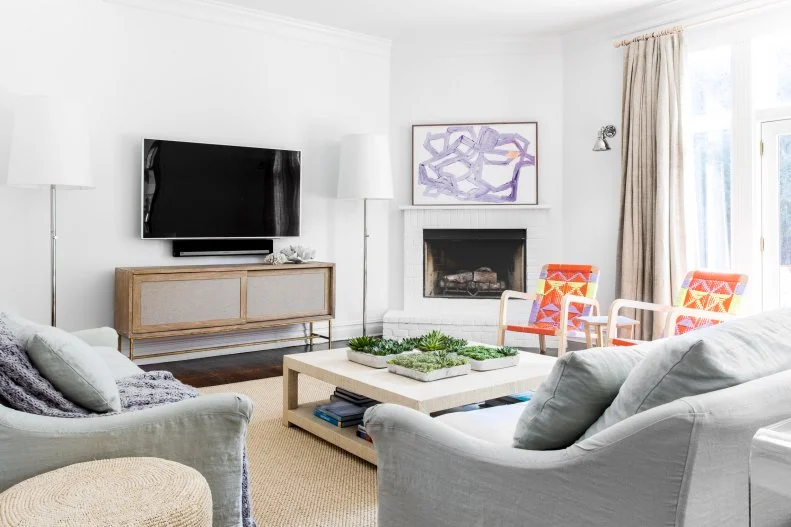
23 388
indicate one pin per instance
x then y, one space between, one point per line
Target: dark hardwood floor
239 367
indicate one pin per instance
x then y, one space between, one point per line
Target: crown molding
668 13
218 12
526 45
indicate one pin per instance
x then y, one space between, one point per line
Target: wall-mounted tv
206 191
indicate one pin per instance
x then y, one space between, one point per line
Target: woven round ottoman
133 491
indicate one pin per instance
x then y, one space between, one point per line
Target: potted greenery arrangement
429 366
485 358
375 352
435 340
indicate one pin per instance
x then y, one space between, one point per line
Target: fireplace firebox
473 263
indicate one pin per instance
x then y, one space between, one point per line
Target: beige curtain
652 245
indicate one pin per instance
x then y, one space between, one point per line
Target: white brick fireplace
471 318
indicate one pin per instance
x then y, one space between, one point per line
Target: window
738 82
772 71
711 121
784 197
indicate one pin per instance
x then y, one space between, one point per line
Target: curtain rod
697 23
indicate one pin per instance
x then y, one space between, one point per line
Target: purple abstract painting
475 164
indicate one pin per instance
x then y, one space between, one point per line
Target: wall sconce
601 144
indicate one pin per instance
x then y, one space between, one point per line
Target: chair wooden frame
673 314
561 332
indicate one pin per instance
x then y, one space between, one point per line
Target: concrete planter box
373 361
494 364
435 375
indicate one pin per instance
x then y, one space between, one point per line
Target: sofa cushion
116 362
579 388
703 361
71 366
495 424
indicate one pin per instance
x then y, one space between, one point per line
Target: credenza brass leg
120 349
310 338
329 334
131 349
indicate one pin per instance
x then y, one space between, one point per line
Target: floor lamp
365 173
50 147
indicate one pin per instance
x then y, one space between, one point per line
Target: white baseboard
340 331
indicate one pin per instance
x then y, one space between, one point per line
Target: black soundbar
182 248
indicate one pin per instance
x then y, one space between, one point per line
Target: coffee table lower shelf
345 438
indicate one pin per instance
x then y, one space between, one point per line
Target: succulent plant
427 362
435 340
380 347
362 344
411 343
485 352
432 341
452 343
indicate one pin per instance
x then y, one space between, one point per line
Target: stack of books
522 397
355 398
340 413
361 433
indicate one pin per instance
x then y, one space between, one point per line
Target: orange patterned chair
705 298
565 292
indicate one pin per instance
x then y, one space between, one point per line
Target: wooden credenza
160 302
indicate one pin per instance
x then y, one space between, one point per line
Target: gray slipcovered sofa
206 433
684 463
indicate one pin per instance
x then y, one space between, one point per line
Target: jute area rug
298 479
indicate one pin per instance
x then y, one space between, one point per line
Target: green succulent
485 352
411 343
432 341
452 344
428 362
435 340
381 347
362 343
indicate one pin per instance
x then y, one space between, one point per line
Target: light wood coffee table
332 367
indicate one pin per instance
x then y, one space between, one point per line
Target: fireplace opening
473 263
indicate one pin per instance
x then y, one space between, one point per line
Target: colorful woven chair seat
543 328
705 298
564 293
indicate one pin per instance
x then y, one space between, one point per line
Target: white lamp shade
365 171
50 145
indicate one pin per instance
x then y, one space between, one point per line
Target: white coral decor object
275 259
298 253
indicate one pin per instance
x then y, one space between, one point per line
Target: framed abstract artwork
475 164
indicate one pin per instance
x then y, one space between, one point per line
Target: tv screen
197 190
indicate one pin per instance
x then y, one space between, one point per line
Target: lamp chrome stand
53 248
365 262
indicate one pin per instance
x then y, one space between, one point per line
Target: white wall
592 72
463 82
236 79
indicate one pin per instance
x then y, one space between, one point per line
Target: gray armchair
681 464
207 433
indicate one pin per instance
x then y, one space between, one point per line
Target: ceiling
467 18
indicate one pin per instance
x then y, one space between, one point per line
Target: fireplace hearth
473 263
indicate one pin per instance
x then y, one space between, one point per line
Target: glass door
776 212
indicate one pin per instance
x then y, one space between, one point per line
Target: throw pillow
72 367
703 361
581 385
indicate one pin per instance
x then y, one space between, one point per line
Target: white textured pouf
139 491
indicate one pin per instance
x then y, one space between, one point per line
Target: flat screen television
206 191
